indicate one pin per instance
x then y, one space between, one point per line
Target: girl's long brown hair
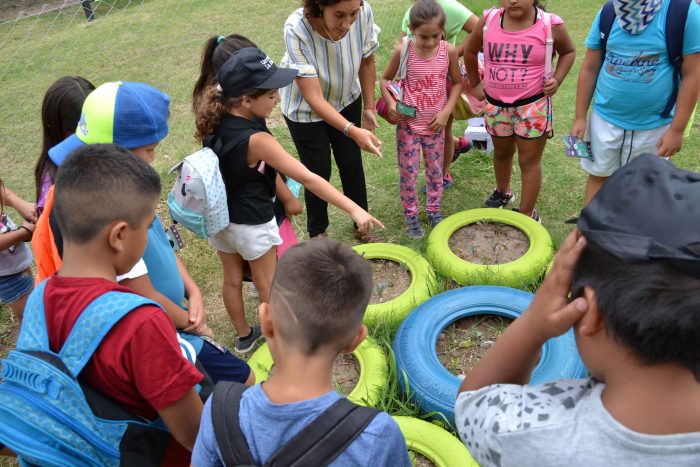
212 105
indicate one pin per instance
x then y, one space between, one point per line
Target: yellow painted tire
435 443
374 374
519 273
423 283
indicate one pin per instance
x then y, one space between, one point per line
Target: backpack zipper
79 428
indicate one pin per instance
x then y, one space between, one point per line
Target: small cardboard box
476 131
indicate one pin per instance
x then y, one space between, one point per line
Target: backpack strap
403 57
675 30
605 23
34 335
493 12
225 405
326 437
94 323
549 44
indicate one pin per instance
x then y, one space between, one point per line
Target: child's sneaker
498 199
434 218
533 214
463 146
413 227
244 345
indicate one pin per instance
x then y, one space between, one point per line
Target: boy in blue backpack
317 301
105 198
632 47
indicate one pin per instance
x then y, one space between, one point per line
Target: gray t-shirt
563 423
17 258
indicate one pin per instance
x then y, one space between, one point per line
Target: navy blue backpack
675 31
48 418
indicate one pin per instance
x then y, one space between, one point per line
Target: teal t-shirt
635 81
162 265
456 15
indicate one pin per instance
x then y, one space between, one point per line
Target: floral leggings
408 149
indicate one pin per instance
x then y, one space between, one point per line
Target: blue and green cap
129 114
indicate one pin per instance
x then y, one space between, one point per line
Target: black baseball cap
647 211
250 69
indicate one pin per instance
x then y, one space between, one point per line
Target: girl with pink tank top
422 109
518 42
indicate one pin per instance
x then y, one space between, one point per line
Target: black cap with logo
251 69
648 210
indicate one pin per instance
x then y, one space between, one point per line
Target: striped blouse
335 64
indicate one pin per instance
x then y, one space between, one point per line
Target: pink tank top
425 87
514 62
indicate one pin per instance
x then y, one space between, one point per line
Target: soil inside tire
421 460
389 280
489 243
464 342
346 373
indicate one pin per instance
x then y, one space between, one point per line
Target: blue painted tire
430 385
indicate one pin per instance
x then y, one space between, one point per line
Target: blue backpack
48 418
675 32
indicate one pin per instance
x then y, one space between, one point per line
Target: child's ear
117 233
267 325
361 334
592 321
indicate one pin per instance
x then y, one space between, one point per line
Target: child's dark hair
99 184
319 294
652 308
212 105
424 12
216 51
60 113
312 8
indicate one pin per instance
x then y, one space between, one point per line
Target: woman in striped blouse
332 44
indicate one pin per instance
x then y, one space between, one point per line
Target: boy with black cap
634 279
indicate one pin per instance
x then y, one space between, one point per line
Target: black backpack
317 444
675 31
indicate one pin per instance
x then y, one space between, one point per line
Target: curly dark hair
312 8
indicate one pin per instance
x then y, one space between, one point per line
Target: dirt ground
346 373
389 280
462 344
489 243
421 460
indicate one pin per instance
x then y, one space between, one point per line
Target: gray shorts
249 241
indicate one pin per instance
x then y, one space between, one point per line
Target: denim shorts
15 286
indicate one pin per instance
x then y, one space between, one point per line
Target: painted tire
523 271
431 386
423 283
374 374
435 443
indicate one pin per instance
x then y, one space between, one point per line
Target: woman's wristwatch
346 128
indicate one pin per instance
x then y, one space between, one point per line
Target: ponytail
217 50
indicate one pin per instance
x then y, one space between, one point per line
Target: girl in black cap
230 118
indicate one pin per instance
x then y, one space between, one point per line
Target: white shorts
612 147
249 241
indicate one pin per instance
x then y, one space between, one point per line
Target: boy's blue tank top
162 267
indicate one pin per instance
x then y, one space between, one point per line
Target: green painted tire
423 283
524 271
435 443
374 375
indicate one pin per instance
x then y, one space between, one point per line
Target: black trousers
314 142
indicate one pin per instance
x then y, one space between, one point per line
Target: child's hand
478 91
369 120
365 222
30 226
197 316
550 314
551 86
439 121
26 210
579 128
293 207
670 143
393 113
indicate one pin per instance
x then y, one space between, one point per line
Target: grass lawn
159 42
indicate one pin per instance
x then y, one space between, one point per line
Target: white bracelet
346 129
